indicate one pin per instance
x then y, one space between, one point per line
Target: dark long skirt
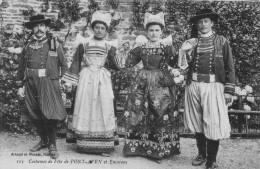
151 128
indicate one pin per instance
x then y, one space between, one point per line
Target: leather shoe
116 141
199 160
211 165
71 138
53 151
38 146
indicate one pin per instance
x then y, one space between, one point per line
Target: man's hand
228 98
20 92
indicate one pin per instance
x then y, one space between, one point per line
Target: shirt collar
39 39
206 35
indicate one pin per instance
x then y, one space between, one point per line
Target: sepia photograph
130 84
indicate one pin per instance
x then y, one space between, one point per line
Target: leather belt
36 72
206 78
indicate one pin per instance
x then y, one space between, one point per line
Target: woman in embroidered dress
151 131
93 118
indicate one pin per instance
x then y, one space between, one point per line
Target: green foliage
113 3
122 79
69 10
93 6
240 24
139 9
28 12
11 106
57 25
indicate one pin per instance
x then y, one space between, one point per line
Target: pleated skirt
93 119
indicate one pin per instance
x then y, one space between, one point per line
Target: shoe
211 165
39 146
71 138
53 151
116 141
199 160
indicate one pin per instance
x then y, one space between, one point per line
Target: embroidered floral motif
161 154
167 151
138 102
144 51
133 149
149 152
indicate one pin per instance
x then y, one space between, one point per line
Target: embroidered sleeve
171 56
229 69
133 58
62 60
229 88
71 76
112 62
21 69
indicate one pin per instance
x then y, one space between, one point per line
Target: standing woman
151 131
93 118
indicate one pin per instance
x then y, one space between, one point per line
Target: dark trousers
47 130
201 144
212 150
207 148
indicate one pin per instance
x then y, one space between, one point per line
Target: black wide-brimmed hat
36 20
204 13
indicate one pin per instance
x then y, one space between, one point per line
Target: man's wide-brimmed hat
36 20
204 13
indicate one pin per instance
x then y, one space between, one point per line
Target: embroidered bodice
153 56
95 53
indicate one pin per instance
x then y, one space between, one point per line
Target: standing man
210 86
41 65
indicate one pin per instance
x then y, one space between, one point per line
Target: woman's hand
186 46
189 44
229 99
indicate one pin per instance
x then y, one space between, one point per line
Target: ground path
233 154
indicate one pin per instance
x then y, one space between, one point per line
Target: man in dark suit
42 63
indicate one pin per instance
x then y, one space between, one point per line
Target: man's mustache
39 31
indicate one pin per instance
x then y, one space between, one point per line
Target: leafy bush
239 23
11 106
